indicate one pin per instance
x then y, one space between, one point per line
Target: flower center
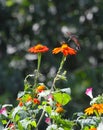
64 46
38 47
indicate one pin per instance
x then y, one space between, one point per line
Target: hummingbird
75 39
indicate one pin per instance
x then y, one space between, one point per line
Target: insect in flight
75 39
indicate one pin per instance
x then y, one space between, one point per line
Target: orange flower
59 109
36 101
39 48
58 105
65 49
11 126
98 108
20 102
95 107
89 110
93 129
29 98
40 88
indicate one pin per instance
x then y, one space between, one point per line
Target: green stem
59 70
38 68
7 124
39 61
96 113
43 112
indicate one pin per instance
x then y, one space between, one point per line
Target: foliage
37 101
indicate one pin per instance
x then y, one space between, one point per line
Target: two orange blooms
65 49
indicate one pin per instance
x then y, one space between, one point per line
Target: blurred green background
23 23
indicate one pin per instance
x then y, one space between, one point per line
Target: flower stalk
59 70
42 115
38 69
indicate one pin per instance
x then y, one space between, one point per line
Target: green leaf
23 114
4 122
7 105
48 109
26 85
44 103
9 3
25 97
20 94
40 107
25 122
86 128
66 124
66 90
15 111
33 123
17 117
20 126
62 77
91 120
62 98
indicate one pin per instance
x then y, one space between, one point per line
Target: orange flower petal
58 105
40 88
56 50
59 109
39 48
12 126
29 99
94 107
89 110
65 49
98 108
36 101
93 129
20 103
